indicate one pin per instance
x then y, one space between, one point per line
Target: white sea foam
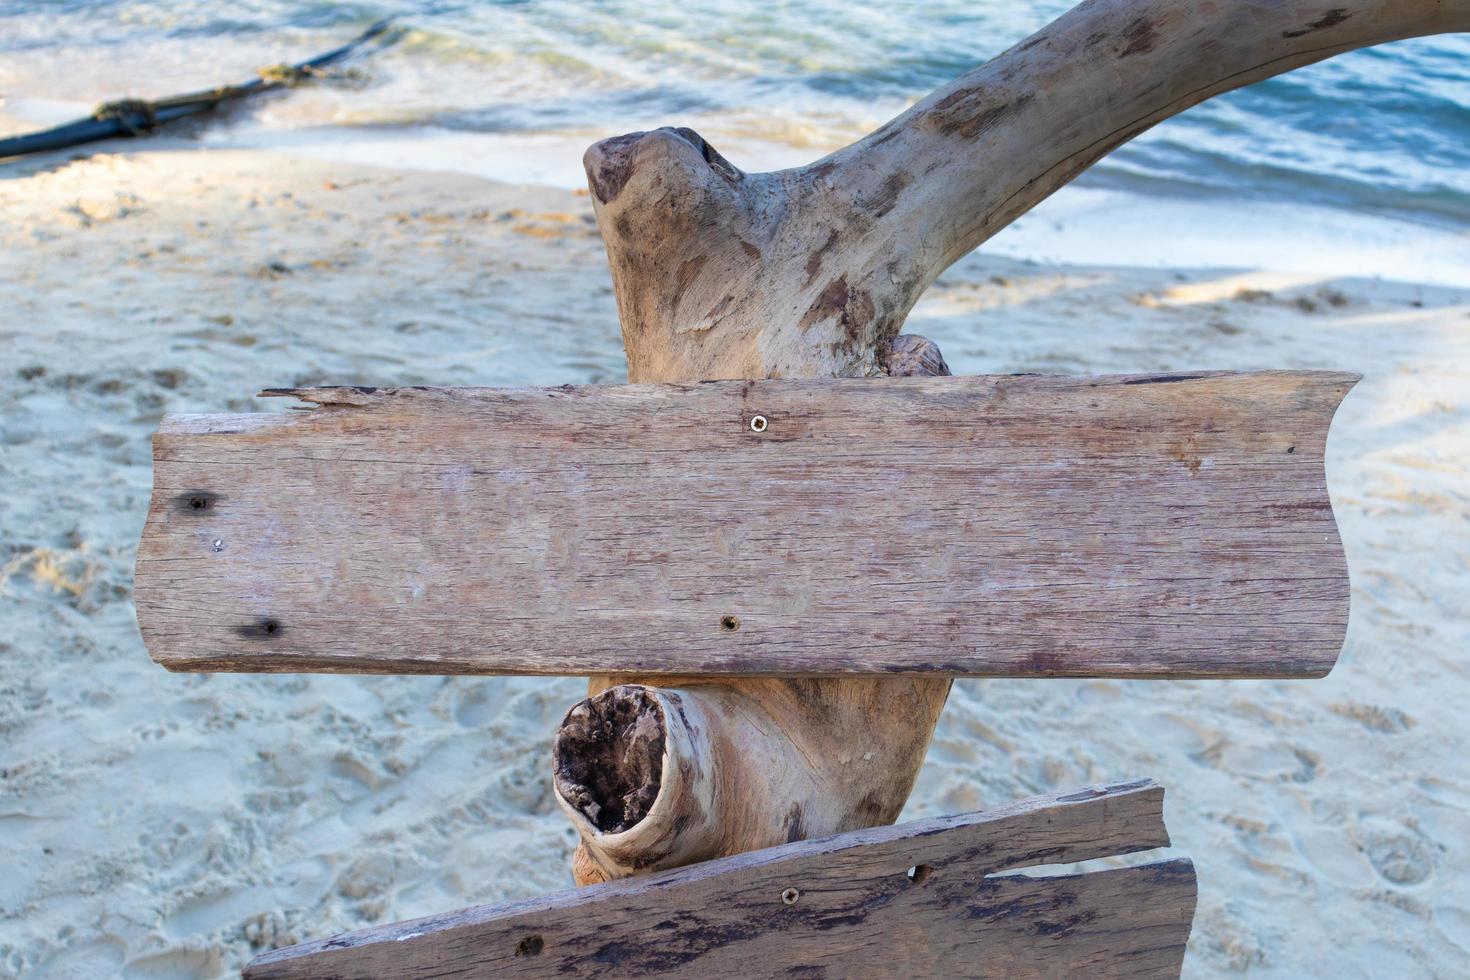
1383 131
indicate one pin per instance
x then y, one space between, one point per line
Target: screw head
789 896
758 423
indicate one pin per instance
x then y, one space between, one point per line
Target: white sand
156 825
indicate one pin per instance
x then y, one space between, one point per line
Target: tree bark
810 272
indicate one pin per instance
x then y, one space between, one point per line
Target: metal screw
789 896
758 424
219 544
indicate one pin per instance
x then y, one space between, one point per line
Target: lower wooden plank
921 899
1162 526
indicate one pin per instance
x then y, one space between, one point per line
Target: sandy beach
172 826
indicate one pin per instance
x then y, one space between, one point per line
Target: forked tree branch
810 272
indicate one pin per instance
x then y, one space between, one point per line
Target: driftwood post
810 273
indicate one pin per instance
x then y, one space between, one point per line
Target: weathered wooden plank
845 906
1173 525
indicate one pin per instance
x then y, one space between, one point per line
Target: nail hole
530 946
271 627
1290 449
758 424
789 896
918 873
729 624
196 501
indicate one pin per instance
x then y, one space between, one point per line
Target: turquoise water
1383 131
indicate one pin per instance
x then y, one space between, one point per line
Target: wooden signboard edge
525 938
354 398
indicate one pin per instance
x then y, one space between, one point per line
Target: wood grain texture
1169 526
810 272
856 911
748 762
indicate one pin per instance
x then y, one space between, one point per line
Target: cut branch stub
745 764
609 757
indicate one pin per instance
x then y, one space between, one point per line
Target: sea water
1358 165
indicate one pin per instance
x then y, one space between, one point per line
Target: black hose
133 117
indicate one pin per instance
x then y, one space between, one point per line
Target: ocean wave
1383 130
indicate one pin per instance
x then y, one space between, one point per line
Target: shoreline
1079 225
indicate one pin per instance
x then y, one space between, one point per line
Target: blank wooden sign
1165 526
921 899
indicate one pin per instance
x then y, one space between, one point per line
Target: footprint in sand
99 959
179 964
1332 853
1400 855
952 752
1454 923
523 787
206 914
1202 744
481 703
370 875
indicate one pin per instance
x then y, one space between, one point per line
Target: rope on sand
136 117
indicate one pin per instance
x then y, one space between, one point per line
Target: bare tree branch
811 272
